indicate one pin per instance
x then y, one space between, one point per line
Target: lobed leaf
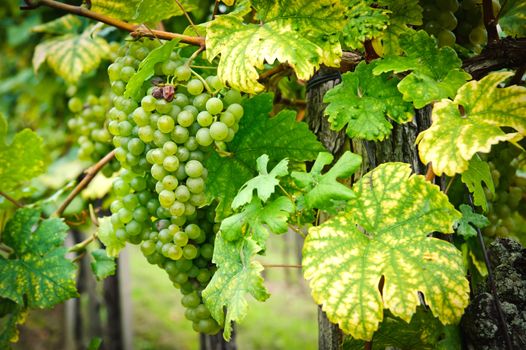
435 72
38 275
102 264
478 172
364 22
63 25
402 15
453 139
384 236
364 101
469 220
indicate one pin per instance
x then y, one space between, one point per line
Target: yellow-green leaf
403 13
512 17
67 24
453 138
107 235
384 234
300 33
71 55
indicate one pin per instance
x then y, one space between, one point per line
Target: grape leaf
142 11
38 275
102 265
453 139
71 55
237 274
264 183
63 25
403 13
364 22
384 235
107 235
146 68
469 218
8 326
436 72
323 190
21 160
257 221
512 17
363 101
478 172
279 137
300 33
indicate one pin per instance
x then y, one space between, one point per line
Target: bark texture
216 342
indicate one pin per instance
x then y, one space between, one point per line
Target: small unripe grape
194 87
218 131
214 105
183 73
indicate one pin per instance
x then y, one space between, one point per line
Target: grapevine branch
489 21
130 27
11 199
90 174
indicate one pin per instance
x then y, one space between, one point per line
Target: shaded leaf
384 234
468 220
237 275
512 17
279 137
300 33
264 183
38 275
402 15
478 172
323 190
364 101
364 22
453 139
436 73
102 265
107 235
8 326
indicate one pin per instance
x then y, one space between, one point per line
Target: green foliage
8 325
102 265
435 72
403 13
142 11
478 172
37 274
324 191
279 137
468 220
146 69
454 138
384 235
512 17
363 101
21 160
237 274
364 22
71 55
107 235
264 183
63 25
302 33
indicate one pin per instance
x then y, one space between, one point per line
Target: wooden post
216 342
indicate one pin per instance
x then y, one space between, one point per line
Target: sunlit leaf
102 265
107 235
142 11
477 174
512 17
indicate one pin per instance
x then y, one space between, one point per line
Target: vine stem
187 16
133 28
490 23
11 199
80 247
293 266
90 174
430 175
491 283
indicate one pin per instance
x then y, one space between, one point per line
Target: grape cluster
440 20
507 207
88 124
161 141
471 31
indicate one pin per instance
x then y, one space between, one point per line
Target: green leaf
8 326
142 11
21 160
324 189
237 275
95 343
107 235
72 55
436 72
363 101
146 68
403 14
38 275
512 18
300 33
279 137
453 139
384 235
67 24
364 23
468 220
102 265
257 221
264 183
478 172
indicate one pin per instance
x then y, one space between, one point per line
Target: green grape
218 131
214 105
183 73
194 87
478 35
446 38
194 168
195 185
180 238
232 96
171 163
185 118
